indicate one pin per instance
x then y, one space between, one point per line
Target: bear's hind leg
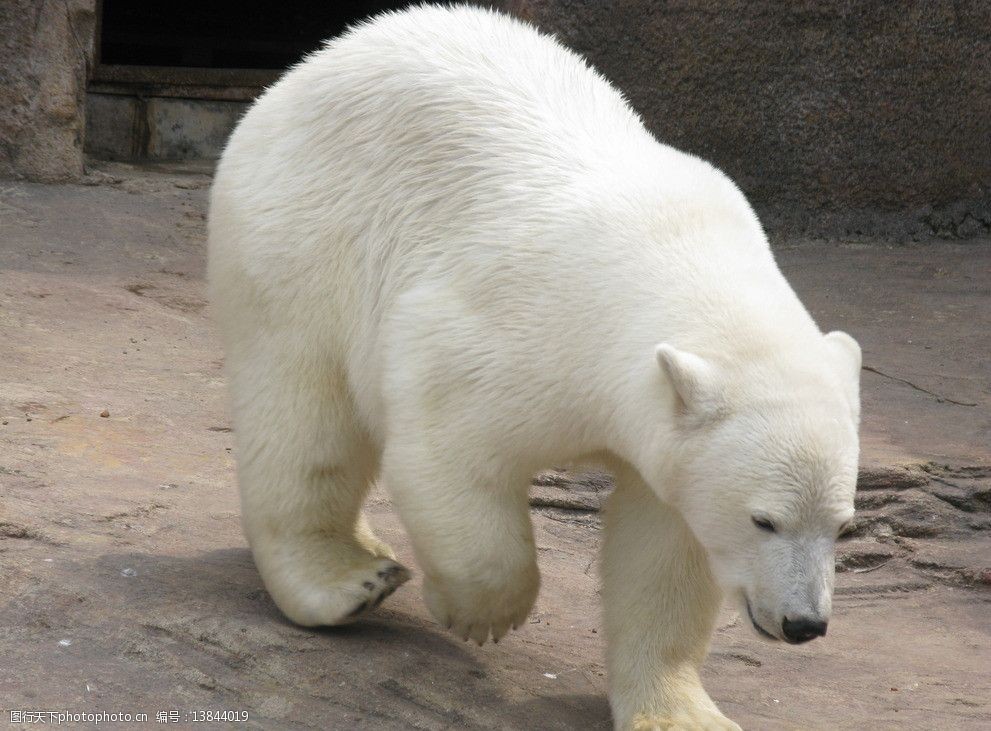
660 609
304 468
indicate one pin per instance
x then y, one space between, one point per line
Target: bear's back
455 148
421 135
439 81
416 109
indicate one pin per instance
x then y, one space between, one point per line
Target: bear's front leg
471 531
660 609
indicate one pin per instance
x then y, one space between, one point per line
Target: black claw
379 600
359 609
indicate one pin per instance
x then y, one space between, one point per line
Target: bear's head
765 474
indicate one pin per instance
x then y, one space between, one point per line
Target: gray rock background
845 109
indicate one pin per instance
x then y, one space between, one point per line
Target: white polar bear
444 252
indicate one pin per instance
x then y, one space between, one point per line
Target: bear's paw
699 719
476 610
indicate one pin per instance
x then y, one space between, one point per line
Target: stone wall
45 49
849 109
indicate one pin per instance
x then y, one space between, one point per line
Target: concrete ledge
158 128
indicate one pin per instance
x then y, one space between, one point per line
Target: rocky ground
126 585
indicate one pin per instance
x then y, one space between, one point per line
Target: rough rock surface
126 585
45 49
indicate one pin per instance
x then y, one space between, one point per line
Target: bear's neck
738 313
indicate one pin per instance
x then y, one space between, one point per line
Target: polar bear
445 253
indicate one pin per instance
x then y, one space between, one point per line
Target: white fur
445 253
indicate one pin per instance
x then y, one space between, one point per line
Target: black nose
802 629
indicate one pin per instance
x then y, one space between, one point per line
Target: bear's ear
694 379
846 354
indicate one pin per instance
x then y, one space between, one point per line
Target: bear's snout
802 629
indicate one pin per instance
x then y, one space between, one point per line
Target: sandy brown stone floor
126 585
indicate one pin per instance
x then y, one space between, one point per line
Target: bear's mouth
760 630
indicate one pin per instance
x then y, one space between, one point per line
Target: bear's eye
763 523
